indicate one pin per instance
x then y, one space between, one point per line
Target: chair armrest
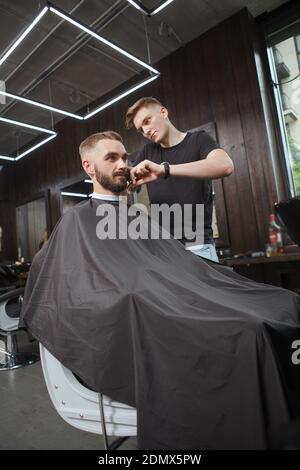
3 290
11 294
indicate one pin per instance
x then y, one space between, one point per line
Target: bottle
275 237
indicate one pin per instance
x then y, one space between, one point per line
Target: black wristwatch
167 169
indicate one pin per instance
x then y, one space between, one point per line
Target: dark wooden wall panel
226 110
211 79
253 125
7 214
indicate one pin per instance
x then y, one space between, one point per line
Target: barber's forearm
217 164
203 169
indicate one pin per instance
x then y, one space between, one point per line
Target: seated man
203 353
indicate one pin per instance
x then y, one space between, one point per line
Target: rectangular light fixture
35 147
23 36
39 105
29 126
92 33
150 12
88 181
86 29
51 135
119 97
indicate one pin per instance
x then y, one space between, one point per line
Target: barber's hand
145 172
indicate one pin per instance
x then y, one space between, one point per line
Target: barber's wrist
165 170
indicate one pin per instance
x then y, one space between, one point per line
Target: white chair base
85 409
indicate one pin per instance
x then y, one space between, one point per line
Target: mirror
75 193
32 222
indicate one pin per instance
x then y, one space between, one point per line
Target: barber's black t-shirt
195 146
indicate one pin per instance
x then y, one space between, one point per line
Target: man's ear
88 167
164 112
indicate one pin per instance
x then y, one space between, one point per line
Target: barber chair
7 277
288 213
10 307
84 408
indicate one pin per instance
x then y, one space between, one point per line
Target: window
284 55
282 31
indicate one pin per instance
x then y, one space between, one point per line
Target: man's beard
110 183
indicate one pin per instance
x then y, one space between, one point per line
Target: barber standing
179 165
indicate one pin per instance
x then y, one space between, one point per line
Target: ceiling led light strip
40 105
161 7
92 33
29 126
35 147
89 31
145 10
6 158
23 36
119 97
138 7
64 193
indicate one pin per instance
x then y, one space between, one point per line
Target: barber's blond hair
132 111
90 142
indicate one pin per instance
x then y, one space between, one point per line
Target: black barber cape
203 353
